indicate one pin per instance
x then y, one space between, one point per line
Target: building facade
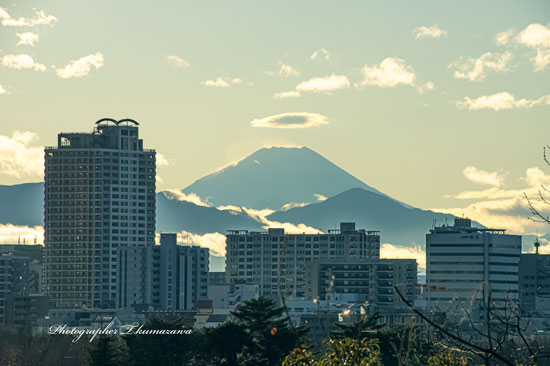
370 281
534 282
99 196
164 277
465 264
276 260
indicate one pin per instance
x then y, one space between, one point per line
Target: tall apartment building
534 281
99 196
464 263
170 276
372 281
275 260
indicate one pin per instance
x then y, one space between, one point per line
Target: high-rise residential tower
99 195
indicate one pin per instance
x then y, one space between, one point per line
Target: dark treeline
258 334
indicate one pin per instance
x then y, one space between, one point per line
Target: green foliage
224 344
166 350
448 359
269 335
105 351
351 352
363 328
299 357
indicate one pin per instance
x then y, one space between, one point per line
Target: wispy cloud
81 67
319 197
475 69
391 72
27 38
222 82
537 37
287 94
285 70
261 217
177 61
501 101
325 84
502 38
18 158
320 54
505 208
3 90
291 205
162 160
429 32
40 18
483 177
174 194
21 61
391 251
291 120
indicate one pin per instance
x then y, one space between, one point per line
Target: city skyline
336 73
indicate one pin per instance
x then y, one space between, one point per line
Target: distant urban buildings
99 197
465 264
372 281
534 282
275 260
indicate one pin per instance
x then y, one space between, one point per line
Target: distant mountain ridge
275 176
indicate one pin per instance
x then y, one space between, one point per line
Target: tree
360 329
224 343
270 335
352 352
165 349
448 359
106 351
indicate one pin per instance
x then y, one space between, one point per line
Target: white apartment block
276 260
465 264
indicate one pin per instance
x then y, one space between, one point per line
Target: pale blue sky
413 146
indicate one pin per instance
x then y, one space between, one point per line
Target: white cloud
13 234
475 69
502 38
177 61
424 87
81 67
537 36
261 217
162 160
391 72
287 94
18 158
501 101
291 120
391 251
21 61
506 208
483 177
429 32
27 38
324 84
222 82
291 205
213 241
40 19
174 194
285 70
320 197
232 209
3 90
320 54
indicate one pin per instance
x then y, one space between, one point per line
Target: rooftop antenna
537 243
19 240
